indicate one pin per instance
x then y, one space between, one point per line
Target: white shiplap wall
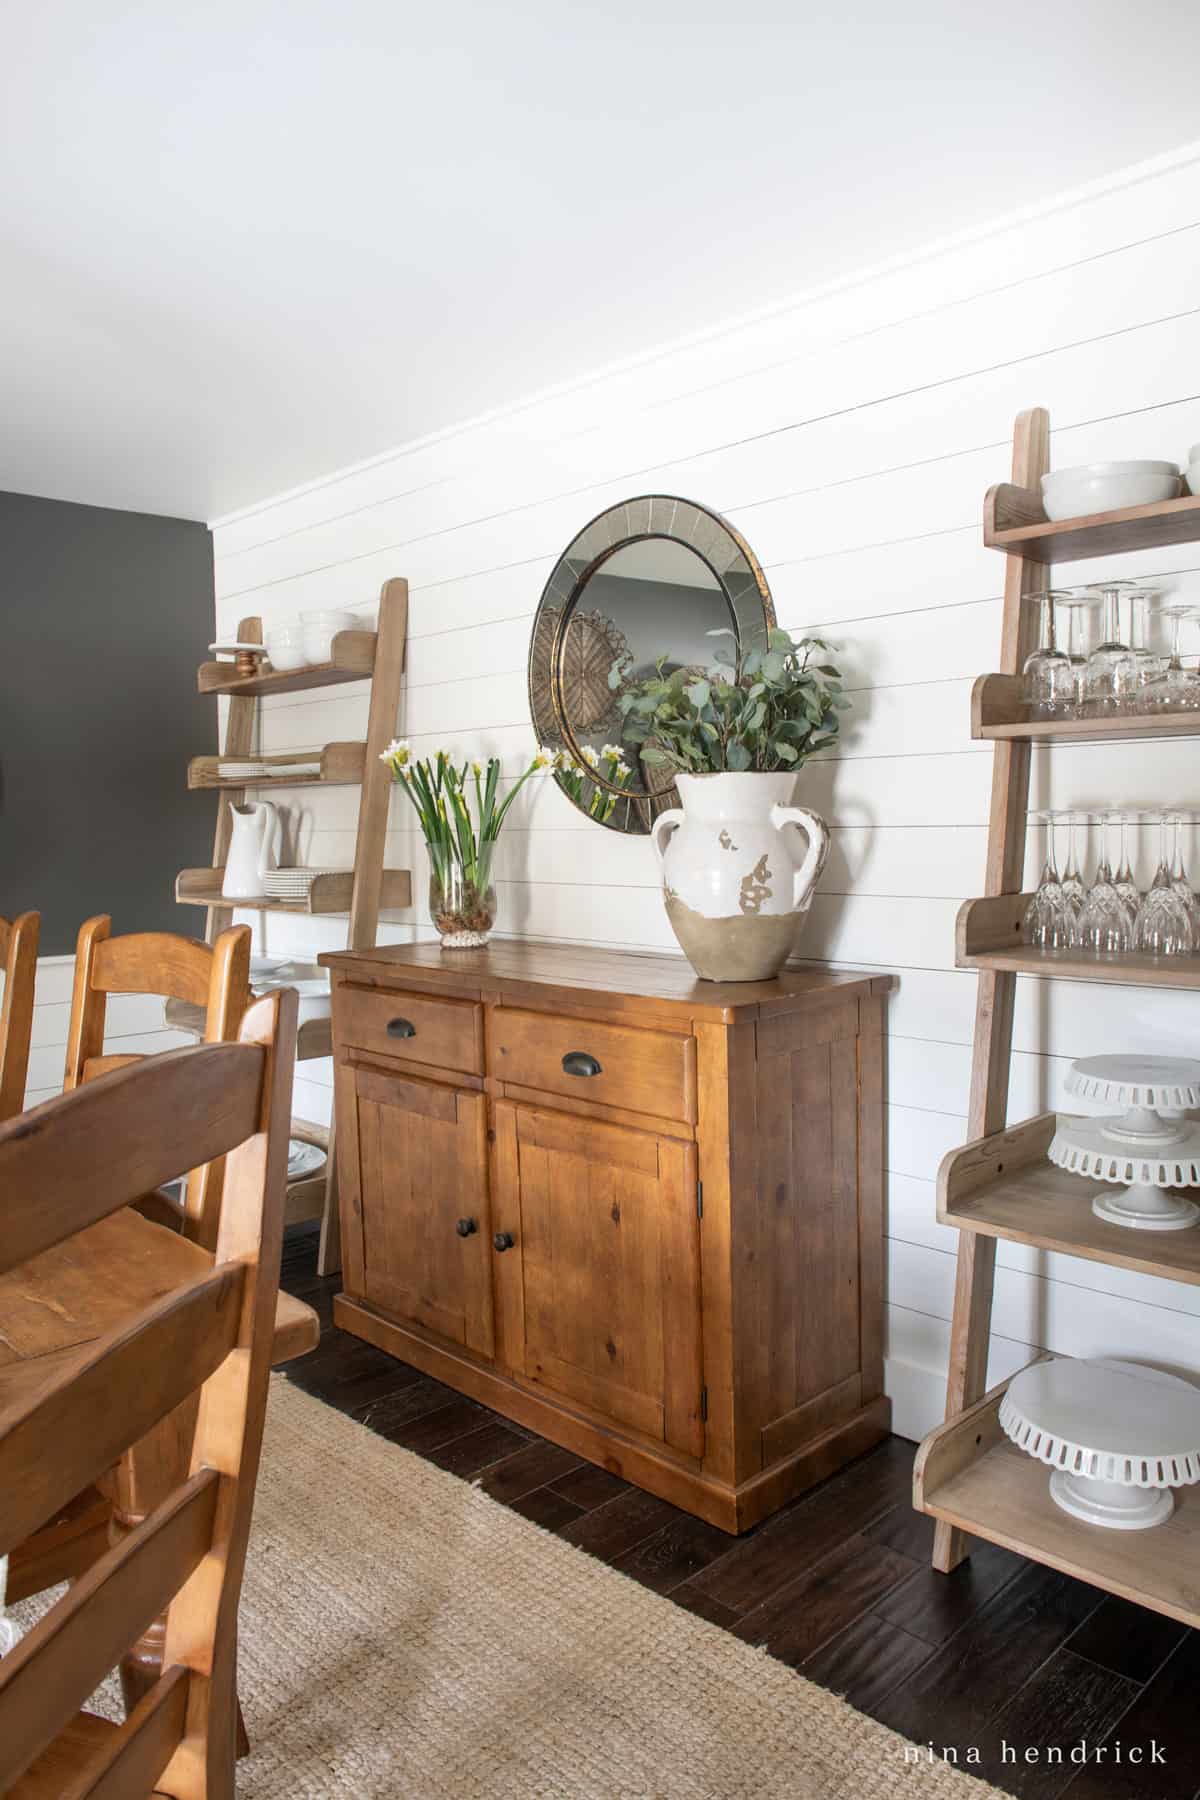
850 438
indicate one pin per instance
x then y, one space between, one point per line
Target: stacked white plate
1193 469
250 771
293 884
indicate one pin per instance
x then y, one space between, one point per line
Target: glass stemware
1104 924
1102 684
1049 680
1077 603
1136 672
1073 885
1174 688
1179 875
1164 925
1124 880
1049 921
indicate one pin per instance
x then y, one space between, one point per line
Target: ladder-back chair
214 978
64 1166
18 958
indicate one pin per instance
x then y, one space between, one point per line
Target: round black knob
465 1227
504 1240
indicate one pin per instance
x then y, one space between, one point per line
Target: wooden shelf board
1015 521
341 765
328 895
314 1038
1052 1209
998 711
1075 965
353 660
1004 1496
988 936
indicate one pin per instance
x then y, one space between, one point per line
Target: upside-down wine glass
1136 673
1102 681
1049 680
1179 874
1073 885
1163 926
1049 922
1077 603
1124 880
1174 688
1104 925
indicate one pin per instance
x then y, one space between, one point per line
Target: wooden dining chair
213 978
64 1166
18 958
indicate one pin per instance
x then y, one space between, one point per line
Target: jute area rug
402 1634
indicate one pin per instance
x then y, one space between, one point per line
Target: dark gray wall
104 618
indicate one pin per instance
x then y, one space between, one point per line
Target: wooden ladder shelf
359 893
1000 1184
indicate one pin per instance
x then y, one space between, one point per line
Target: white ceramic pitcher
253 849
737 881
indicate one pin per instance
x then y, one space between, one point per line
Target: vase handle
817 832
673 817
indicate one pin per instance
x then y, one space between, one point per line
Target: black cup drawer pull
504 1240
466 1227
401 1028
578 1062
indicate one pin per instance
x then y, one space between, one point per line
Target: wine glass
1179 875
1174 688
1163 926
1073 885
1049 921
1049 680
1136 672
1077 603
1104 924
1102 682
1124 880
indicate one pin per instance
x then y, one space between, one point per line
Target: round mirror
651 579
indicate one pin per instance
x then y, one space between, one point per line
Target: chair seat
80 1289
59 1767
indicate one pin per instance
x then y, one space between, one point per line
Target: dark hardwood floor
1000 1659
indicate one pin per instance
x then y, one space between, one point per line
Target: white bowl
285 646
1194 454
1105 487
1193 474
320 629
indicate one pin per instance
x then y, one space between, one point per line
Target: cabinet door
422 1154
604 1298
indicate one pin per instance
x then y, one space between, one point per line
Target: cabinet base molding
672 1478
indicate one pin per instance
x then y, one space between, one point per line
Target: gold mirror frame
569 645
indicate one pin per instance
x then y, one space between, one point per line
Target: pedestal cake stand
1139 1151
1118 1437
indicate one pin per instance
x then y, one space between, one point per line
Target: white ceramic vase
739 867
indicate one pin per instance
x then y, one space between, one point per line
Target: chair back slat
68 1434
216 978
73 1160
135 1756
18 958
46 1679
189 1554
104 1065
153 962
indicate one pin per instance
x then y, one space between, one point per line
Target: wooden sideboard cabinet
636 1212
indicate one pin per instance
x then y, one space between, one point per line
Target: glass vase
462 912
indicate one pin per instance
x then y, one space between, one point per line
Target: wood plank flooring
1000 1659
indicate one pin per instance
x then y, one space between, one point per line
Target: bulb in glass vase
462 911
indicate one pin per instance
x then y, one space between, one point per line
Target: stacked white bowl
285 646
1108 486
320 628
1193 469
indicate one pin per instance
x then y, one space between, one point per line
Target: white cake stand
1118 1437
1141 1152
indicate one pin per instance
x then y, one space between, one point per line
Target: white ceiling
246 242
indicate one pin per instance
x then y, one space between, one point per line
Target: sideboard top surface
659 982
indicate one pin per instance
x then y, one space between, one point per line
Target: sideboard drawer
620 1065
414 1028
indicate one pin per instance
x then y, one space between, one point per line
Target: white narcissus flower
476 767
613 750
399 751
623 770
590 757
543 760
